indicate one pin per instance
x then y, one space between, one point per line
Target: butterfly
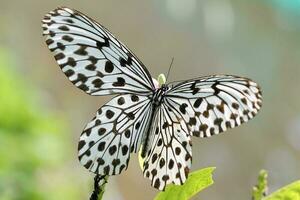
157 120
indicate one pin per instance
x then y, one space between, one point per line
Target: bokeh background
42 114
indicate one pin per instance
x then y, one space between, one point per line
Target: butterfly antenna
169 69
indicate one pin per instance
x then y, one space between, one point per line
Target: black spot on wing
109 67
67 38
81 51
120 82
194 89
121 100
198 102
182 108
59 56
97 83
64 28
124 62
109 114
100 45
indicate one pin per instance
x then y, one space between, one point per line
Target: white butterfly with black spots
159 120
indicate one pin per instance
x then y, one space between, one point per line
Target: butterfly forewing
91 57
211 105
116 131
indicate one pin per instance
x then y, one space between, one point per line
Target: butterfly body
159 94
156 100
159 119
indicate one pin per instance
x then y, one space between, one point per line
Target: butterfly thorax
159 95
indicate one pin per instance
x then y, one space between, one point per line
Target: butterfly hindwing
91 57
116 131
212 104
169 155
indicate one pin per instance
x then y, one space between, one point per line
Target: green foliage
196 182
32 143
289 192
260 190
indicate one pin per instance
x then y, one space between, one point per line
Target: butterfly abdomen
146 137
157 100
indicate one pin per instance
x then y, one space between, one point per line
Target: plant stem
260 190
99 188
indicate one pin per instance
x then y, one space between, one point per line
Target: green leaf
260 190
289 192
196 182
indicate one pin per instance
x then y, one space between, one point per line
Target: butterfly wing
91 57
212 104
116 131
200 107
169 156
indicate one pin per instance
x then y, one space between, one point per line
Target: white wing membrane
116 131
169 157
91 57
211 105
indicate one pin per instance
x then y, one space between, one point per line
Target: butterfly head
161 88
160 83
161 80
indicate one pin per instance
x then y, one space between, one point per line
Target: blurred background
42 114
